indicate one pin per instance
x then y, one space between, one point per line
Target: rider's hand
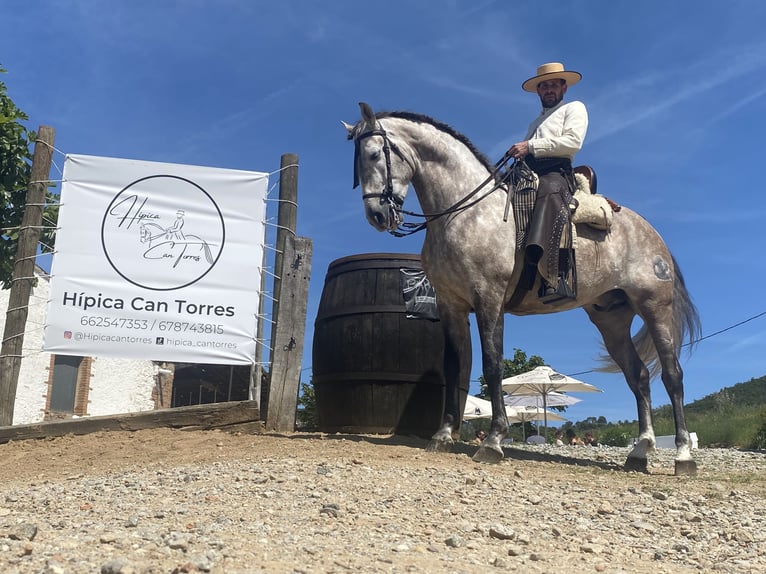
518 150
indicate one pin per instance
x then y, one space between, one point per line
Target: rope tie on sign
288 201
51 146
282 227
283 168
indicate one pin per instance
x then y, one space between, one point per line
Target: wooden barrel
374 370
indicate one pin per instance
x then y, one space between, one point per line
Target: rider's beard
551 100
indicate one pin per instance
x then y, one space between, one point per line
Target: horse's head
380 167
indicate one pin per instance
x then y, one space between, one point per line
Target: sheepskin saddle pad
592 209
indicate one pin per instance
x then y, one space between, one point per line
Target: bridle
387 196
498 174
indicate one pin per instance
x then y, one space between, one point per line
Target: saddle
592 209
589 174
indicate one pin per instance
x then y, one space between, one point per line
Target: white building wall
121 386
116 385
31 392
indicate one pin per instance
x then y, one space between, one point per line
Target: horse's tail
687 329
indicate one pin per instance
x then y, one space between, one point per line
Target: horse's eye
375 156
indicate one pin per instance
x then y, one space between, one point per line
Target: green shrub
618 435
758 441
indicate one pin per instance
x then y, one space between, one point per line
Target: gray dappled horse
469 256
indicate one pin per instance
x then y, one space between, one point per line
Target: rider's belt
548 164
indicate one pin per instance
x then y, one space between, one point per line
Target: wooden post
287 218
289 332
23 277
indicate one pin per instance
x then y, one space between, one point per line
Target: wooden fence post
289 332
287 220
24 273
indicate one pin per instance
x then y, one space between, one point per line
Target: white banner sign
156 261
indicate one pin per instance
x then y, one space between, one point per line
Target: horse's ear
367 114
349 130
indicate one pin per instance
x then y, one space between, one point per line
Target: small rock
641 525
178 542
118 566
54 567
659 495
24 531
107 538
454 542
501 533
515 551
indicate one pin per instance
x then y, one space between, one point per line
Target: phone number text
156 325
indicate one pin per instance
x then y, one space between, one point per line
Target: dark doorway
204 384
64 383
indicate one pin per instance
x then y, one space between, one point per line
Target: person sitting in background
572 438
558 438
589 439
480 436
536 439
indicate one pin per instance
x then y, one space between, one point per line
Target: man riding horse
552 141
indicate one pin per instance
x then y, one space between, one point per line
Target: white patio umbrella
542 381
529 414
476 408
554 400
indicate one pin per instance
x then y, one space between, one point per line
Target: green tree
511 367
307 415
15 169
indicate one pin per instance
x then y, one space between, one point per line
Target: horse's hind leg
614 326
658 320
457 368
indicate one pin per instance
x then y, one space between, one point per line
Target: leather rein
497 174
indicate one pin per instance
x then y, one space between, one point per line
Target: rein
516 172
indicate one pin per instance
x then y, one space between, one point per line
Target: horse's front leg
490 321
457 370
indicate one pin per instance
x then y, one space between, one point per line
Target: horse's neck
445 169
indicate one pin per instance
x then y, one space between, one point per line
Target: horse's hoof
488 455
686 468
635 464
439 446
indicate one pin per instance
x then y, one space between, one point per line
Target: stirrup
550 294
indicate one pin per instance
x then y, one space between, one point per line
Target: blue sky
675 93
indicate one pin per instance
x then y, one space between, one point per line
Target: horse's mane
421 118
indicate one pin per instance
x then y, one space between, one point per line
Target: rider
548 149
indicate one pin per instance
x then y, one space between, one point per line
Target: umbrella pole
545 414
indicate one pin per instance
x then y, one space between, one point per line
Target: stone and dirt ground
175 501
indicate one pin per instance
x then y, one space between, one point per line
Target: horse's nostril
378 218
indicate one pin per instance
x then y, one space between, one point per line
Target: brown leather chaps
551 215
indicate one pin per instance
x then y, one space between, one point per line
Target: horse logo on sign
162 232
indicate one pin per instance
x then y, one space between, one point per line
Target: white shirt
558 131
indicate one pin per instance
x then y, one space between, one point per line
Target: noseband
387 196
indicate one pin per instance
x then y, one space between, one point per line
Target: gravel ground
209 501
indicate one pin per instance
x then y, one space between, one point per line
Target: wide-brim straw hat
551 71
